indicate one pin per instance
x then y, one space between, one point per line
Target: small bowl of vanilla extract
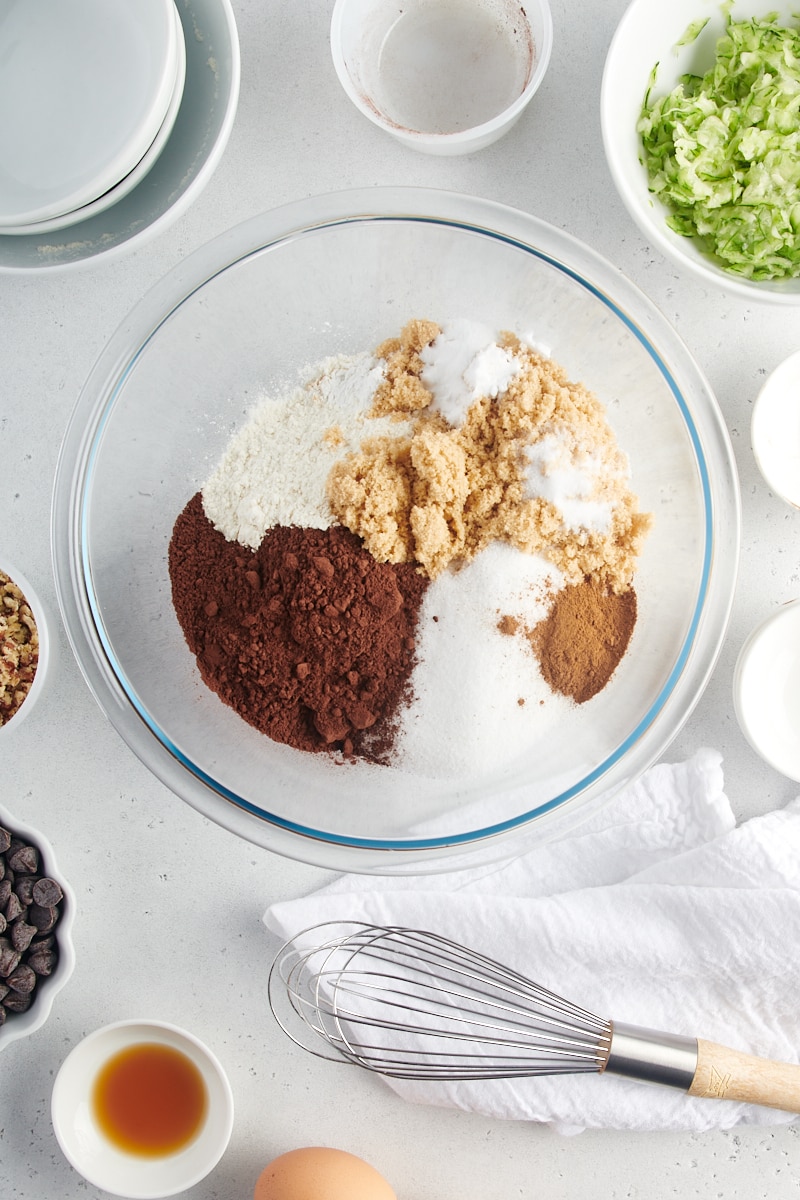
142 1109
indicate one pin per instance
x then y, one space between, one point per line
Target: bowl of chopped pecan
26 648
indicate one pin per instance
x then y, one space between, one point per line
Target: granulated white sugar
480 700
274 469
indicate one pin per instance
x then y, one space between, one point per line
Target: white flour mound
274 470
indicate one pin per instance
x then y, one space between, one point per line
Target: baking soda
462 364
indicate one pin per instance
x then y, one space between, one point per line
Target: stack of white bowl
89 93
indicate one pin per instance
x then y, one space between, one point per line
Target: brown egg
318 1173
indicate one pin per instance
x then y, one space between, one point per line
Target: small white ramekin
98 1160
766 690
384 87
775 430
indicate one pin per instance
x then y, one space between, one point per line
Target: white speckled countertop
170 906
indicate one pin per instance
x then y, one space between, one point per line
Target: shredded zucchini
723 150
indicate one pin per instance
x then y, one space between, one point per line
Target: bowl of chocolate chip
396 527
37 906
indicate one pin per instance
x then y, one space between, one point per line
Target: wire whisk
411 1004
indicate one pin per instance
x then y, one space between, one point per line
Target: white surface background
170 906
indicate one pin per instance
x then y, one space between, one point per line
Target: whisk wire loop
408 1003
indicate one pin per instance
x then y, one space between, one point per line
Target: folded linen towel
657 912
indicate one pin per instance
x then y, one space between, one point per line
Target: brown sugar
440 495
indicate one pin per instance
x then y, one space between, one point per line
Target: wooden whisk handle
725 1074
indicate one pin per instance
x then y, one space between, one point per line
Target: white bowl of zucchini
699 114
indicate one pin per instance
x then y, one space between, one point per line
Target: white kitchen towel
660 912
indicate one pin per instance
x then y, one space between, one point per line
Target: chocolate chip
23 886
5 840
47 892
5 891
42 961
43 916
13 908
18 1002
9 958
22 934
23 858
22 979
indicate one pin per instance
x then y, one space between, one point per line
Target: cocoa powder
580 643
308 638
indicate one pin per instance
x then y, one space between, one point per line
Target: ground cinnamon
308 638
581 641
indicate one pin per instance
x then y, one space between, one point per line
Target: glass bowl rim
80 612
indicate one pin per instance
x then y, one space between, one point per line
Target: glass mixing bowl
338 274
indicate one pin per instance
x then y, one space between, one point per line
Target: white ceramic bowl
766 690
134 176
440 77
775 430
648 35
89 84
21 1025
47 649
96 1158
184 167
